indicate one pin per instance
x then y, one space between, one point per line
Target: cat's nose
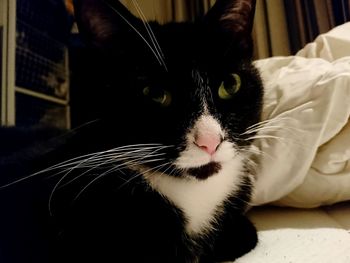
208 142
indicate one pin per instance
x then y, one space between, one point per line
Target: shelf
41 96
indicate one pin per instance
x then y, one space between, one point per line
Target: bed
301 204
294 235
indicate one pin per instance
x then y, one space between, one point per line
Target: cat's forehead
187 46
178 41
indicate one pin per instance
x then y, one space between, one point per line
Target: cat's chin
205 171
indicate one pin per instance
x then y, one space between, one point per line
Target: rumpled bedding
303 144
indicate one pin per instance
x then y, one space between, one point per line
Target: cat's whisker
100 156
137 32
116 155
76 160
120 157
75 129
125 154
273 128
255 137
261 135
176 169
114 168
270 121
150 28
158 168
153 170
110 171
167 169
283 140
54 167
143 173
150 33
114 160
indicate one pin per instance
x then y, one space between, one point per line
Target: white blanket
290 235
305 145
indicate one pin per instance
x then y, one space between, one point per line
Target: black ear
233 16
232 21
101 21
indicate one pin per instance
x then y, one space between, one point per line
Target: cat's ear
100 22
232 21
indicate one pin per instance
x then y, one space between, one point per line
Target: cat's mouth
205 171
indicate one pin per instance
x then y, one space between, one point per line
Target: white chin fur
200 200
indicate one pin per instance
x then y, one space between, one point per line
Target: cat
159 168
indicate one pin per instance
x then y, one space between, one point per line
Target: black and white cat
161 170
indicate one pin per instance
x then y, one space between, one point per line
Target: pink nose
208 142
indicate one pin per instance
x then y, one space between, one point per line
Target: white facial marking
194 156
201 200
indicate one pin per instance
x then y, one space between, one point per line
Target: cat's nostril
208 142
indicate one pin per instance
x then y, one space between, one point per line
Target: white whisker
280 139
138 33
125 154
150 33
109 171
76 160
114 160
266 137
146 155
273 127
154 169
79 158
270 121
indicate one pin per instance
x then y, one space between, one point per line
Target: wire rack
40 62
42 73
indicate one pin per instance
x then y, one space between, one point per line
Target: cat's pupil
230 86
160 96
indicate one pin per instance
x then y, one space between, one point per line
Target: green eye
161 97
230 87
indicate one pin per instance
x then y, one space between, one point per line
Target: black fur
117 219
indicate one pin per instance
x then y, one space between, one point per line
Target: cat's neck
200 200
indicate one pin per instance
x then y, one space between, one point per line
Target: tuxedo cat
160 169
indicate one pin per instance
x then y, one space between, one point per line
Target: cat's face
190 87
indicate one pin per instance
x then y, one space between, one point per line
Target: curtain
281 28
170 10
270 32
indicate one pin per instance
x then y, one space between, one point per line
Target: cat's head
190 87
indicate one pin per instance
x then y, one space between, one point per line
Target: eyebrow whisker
150 33
137 32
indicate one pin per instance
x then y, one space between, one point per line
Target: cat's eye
162 97
230 87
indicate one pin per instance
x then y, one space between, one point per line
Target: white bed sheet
305 160
291 235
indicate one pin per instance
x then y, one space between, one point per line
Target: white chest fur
200 200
